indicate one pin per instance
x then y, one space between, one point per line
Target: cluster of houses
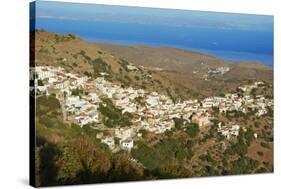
155 114
219 70
215 71
231 129
55 78
228 130
235 102
124 138
248 88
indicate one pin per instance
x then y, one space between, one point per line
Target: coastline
227 56
230 45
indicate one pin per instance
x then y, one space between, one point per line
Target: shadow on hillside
47 156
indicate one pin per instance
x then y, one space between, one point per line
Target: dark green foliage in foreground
48 104
47 155
269 112
80 161
170 170
244 165
192 130
67 154
240 148
211 168
162 153
249 136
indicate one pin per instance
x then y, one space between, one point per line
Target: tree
48 170
244 165
215 109
40 82
113 116
239 148
249 136
77 92
239 92
192 130
254 92
178 122
124 170
143 132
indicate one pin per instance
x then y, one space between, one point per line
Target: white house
71 100
109 141
127 144
124 132
94 98
202 120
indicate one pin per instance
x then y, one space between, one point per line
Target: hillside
176 72
158 113
191 68
72 53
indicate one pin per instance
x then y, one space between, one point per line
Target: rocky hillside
193 70
178 73
67 153
74 54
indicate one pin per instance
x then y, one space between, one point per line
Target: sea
228 44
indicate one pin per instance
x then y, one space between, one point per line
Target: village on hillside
86 101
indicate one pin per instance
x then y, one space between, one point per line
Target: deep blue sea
235 45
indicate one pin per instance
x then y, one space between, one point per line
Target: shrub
239 148
192 130
77 92
265 145
113 115
244 165
40 82
162 153
249 136
124 64
260 153
178 122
